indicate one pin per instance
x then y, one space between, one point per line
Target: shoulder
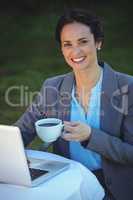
122 82
124 78
56 80
125 82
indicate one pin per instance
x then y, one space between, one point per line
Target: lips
78 60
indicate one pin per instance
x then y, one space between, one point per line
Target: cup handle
62 127
62 130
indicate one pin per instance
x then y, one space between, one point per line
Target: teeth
78 59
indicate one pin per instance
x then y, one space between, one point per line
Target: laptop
14 167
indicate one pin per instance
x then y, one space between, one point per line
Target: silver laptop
14 168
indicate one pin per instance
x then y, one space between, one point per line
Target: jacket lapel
64 109
110 115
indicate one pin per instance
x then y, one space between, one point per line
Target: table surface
75 183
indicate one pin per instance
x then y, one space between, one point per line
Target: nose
76 51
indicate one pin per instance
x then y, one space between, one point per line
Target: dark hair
84 17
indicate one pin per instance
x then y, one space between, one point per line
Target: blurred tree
29 6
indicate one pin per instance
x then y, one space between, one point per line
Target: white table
76 183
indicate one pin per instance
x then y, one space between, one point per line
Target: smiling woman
78 46
88 100
80 39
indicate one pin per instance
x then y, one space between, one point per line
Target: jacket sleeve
33 113
114 148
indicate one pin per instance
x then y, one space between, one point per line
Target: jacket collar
109 84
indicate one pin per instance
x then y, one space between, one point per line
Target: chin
80 67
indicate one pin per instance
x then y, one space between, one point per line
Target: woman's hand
76 131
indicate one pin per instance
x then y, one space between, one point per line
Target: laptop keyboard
36 173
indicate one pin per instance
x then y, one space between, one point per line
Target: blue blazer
113 141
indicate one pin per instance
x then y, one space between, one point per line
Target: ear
98 45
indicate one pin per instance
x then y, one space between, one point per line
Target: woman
96 104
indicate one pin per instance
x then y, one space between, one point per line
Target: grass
29 54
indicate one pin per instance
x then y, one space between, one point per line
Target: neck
88 78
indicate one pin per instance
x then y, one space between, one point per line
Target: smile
78 60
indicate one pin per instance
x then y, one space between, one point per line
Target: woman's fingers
70 137
71 123
76 131
71 126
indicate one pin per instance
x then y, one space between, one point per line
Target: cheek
90 48
92 51
66 54
67 58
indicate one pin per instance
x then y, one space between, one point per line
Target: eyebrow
83 38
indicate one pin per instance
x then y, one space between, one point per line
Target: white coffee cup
49 129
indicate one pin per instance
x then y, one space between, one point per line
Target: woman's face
78 46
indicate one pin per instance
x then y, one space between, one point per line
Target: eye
67 45
84 41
